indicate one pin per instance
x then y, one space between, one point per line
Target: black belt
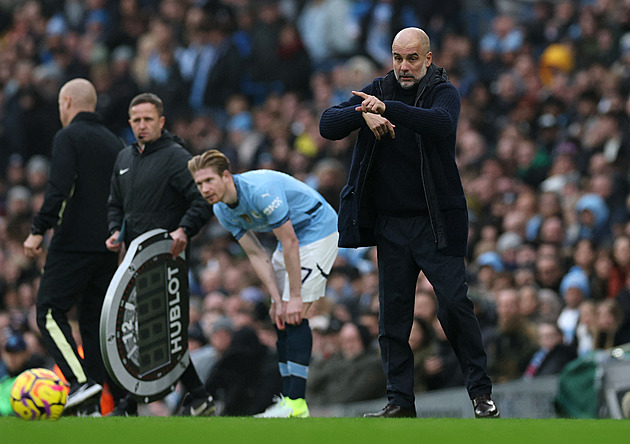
315 208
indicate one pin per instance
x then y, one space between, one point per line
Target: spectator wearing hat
37 169
593 219
555 59
18 202
489 266
574 288
507 247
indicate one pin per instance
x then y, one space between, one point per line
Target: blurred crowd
543 148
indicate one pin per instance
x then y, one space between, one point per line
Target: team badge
246 218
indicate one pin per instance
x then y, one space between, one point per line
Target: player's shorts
316 260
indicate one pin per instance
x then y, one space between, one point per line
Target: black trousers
405 247
80 280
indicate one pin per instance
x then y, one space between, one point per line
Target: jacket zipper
426 197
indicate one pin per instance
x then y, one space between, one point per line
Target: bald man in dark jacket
78 266
404 195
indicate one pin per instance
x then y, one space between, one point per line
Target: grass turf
151 430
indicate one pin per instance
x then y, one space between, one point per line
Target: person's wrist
36 231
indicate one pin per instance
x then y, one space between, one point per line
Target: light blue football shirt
267 199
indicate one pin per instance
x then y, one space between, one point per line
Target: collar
238 193
86 116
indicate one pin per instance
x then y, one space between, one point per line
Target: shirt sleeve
271 200
63 172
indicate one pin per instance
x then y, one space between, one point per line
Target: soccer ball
38 393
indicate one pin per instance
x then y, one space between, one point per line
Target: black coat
75 200
154 189
434 119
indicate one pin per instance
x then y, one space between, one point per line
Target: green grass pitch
153 430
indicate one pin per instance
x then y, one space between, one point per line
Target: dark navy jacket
434 119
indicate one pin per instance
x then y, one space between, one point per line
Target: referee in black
78 266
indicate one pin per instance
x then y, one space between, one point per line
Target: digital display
153 330
144 320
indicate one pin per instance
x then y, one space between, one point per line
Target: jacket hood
596 205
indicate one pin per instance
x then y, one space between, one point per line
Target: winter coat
75 200
434 120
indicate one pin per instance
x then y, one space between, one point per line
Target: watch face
144 320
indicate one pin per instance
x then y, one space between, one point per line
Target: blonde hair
210 159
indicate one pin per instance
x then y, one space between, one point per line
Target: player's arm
291 251
261 263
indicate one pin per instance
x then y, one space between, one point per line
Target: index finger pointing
360 94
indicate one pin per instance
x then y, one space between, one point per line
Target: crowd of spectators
543 149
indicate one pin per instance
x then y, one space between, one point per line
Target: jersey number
308 273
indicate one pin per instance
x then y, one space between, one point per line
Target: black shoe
89 409
485 407
198 406
125 407
79 393
392 411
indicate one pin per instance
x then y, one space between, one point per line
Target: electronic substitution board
143 332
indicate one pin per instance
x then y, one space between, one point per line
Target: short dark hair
148 98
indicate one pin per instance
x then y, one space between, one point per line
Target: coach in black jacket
404 195
78 266
152 188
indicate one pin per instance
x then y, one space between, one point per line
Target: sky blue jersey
267 199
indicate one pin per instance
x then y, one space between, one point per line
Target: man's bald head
412 37
76 96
